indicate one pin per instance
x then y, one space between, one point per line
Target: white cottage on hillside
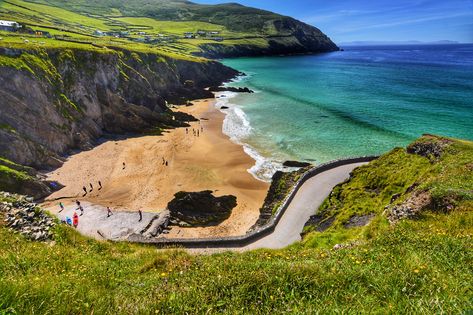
10 26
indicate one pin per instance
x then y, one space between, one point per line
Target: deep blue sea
361 101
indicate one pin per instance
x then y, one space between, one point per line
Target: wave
237 127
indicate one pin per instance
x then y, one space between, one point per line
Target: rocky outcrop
296 164
359 220
320 222
410 208
52 101
281 185
429 146
159 224
16 178
24 217
230 89
200 208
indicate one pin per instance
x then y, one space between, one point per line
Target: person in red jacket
75 220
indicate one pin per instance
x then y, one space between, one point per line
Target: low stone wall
243 240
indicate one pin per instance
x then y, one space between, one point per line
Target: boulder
201 208
230 89
296 164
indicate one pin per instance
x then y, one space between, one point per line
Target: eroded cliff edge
54 100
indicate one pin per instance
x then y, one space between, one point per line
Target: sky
378 20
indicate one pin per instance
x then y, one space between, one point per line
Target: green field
75 28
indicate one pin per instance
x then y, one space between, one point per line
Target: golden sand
208 162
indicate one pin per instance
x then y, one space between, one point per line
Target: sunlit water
362 101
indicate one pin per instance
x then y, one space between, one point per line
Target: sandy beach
209 161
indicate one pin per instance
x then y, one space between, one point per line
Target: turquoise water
357 102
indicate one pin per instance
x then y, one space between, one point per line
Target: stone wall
243 240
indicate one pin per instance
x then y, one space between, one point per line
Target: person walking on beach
198 133
123 166
109 212
187 131
85 191
79 207
141 215
75 220
91 187
61 206
100 185
166 163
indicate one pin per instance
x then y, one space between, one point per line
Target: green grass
416 266
13 176
448 180
74 22
170 27
422 266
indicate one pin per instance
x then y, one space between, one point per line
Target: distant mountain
387 43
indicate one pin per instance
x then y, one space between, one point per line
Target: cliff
52 101
289 37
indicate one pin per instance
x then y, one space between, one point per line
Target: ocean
361 101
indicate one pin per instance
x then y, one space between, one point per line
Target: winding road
305 202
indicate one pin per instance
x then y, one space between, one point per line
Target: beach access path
307 200
309 197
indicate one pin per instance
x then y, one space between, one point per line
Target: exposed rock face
26 218
359 220
69 98
26 182
430 147
230 89
294 37
410 208
281 185
200 208
296 164
320 222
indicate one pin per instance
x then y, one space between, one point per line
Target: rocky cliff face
52 101
293 37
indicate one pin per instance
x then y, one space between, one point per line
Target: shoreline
210 161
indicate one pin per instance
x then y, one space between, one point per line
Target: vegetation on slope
159 26
21 179
432 174
421 264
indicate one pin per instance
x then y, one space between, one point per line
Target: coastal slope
55 100
215 31
417 264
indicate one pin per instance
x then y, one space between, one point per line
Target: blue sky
379 20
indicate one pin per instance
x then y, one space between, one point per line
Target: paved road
308 199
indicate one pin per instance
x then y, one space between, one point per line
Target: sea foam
237 127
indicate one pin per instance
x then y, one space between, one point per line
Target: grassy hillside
418 265
432 174
158 26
